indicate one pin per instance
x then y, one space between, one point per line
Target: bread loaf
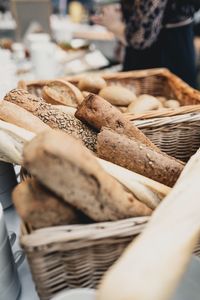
39 207
144 103
172 104
53 117
66 109
12 140
62 92
68 169
91 83
118 95
98 113
16 115
133 155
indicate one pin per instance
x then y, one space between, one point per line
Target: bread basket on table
76 256
175 132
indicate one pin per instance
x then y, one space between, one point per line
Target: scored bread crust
67 168
62 92
53 117
133 155
99 113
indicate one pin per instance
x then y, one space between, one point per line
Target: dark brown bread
53 117
99 113
41 208
72 172
137 157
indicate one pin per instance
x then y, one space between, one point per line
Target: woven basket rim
89 232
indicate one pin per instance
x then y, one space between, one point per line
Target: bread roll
99 113
144 103
68 169
53 116
16 115
172 104
133 155
40 208
91 83
62 92
118 95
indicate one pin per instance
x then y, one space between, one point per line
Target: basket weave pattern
76 256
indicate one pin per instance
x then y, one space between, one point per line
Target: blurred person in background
4 5
156 33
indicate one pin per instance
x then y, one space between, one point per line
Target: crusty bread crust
71 171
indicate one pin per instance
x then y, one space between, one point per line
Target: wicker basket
175 132
78 255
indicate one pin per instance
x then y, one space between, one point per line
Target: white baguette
146 190
154 263
12 139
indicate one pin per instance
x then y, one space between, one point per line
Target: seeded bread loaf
98 113
53 117
39 207
14 114
62 92
133 155
71 171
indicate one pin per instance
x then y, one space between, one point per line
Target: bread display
144 103
53 117
62 92
14 114
118 95
12 140
99 113
40 208
135 156
91 83
69 170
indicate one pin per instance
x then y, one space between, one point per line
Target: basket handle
165 113
154 263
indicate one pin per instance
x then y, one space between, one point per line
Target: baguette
131 154
69 170
12 113
40 208
62 92
98 113
53 117
12 140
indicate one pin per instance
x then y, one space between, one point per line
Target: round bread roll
144 103
62 92
172 104
92 84
118 95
